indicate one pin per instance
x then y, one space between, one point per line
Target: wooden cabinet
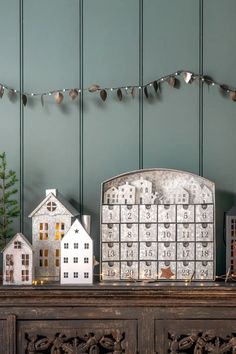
118 318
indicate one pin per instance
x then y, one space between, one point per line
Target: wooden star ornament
166 273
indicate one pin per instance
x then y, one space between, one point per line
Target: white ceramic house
18 261
50 221
77 256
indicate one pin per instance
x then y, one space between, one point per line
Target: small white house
111 196
76 256
143 191
18 261
126 194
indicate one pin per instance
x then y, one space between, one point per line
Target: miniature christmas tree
8 207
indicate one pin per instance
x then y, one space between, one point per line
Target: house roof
76 225
14 237
71 210
232 211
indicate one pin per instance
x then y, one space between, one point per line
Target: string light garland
74 93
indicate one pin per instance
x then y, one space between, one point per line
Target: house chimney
53 191
86 222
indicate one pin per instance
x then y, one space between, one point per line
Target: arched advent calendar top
158 224
158 186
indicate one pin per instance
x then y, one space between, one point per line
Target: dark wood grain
119 318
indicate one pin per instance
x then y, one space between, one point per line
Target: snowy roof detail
71 210
13 239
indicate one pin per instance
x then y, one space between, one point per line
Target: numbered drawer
185 232
204 232
129 232
166 213
204 251
166 270
166 232
110 251
129 270
148 232
204 213
185 270
110 232
110 214
185 251
148 250
129 213
148 213
204 271
110 271
166 251
129 251
148 270
185 213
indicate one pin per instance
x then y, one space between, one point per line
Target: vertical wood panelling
219 112
171 118
51 60
10 75
111 129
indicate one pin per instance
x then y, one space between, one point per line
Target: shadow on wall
224 201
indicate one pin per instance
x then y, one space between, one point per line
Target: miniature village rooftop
53 192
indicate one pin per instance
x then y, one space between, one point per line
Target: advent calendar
157 224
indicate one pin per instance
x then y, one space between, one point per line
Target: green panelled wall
75 146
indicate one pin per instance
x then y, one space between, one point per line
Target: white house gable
76 256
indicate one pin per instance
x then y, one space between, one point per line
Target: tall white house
51 220
18 261
76 256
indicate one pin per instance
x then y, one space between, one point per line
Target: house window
25 259
76 274
65 274
43 258
17 244
233 227
9 276
66 245
65 260
60 230
57 257
51 206
76 245
86 275
43 231
25 275
86 246
75 259
86 260
9 260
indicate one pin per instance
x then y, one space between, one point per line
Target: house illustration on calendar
51 219
76 256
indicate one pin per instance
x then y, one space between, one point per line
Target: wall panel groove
81 109
140 84
201 88
21 115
